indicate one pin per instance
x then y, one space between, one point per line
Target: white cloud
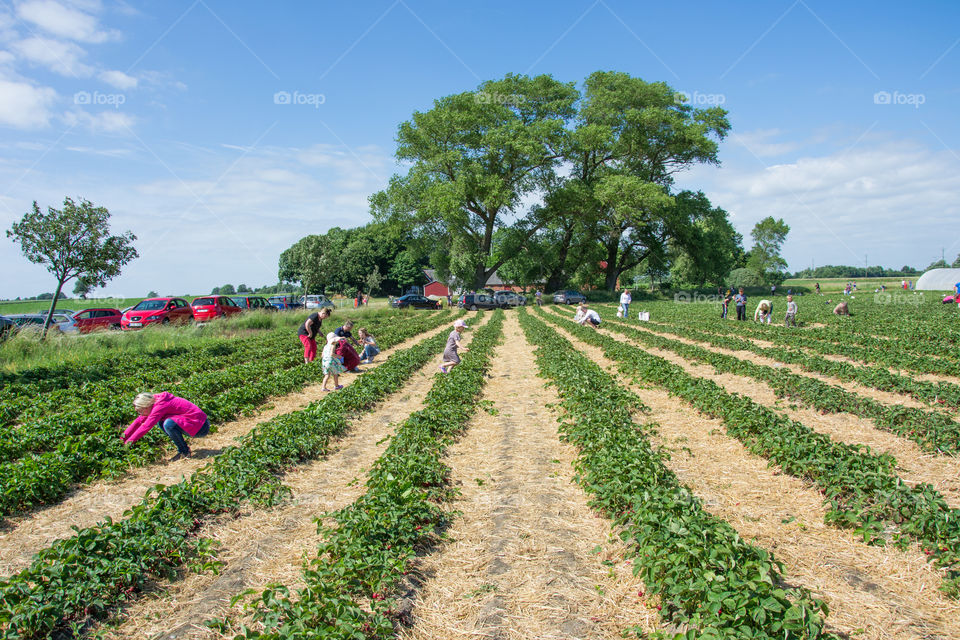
893 201
58 56
118 79
100 122
761 142
24 105
65 22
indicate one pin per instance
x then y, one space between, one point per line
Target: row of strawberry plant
867 349
45 478
934 431
20 405
372 542
710 580
878 377
863 489
99 568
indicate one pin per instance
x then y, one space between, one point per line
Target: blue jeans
176 433
626 309
369 351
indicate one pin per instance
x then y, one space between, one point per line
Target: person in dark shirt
346 331
308 333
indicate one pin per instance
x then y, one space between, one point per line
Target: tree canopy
765 259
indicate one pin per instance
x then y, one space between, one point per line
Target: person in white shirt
586 317
625 300
764 312
791 317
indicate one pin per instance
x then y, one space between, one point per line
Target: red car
97 319
209 307
154 311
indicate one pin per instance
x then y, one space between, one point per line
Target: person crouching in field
791 318
585 316
308 333
370 348
764 312
332 363
174 415
451 357
842 309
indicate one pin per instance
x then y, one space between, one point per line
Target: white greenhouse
938 280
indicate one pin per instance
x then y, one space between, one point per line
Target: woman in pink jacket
174 415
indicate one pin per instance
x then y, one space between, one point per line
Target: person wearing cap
587 316
450 356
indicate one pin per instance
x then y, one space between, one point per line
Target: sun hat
332 337
460 323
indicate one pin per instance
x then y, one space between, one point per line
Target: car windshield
151 305
240 302
201 302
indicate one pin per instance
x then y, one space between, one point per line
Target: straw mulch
872 592
915 465
24 536
525 556
270 545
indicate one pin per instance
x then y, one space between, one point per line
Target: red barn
433 287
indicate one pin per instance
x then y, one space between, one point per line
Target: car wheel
114 327
166 321
473 307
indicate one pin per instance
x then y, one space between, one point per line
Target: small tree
374 280
765 259
153 294
227 290
73 242
215 291
242 288
83 287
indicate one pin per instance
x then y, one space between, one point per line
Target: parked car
97 319
154 311
521 300
474 301
206 308
284 302
569 297
7 327
507 298
316 302
415 301
61 322
253 303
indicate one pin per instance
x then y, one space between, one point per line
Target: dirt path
873 592
525 558
915 465
26 535
269 545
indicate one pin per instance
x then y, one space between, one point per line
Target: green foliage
743 278
153 294
765 259
405 271
227 290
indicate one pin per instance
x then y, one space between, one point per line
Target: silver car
61 321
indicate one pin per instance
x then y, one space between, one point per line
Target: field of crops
683 477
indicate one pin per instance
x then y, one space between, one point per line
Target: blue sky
176 117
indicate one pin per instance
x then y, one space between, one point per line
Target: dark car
284 302
7 327
253 303
569 297
97 319
474 301
415 301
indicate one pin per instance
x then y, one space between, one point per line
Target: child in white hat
450 356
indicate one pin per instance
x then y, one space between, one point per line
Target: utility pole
864 265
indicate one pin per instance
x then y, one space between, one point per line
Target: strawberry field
683 477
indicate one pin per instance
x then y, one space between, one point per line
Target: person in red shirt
174 415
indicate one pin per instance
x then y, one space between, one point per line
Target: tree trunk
53 306
556 279
612 271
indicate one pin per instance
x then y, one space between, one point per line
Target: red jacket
166 405
350 358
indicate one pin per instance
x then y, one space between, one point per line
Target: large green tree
73 242
709 247
765 260
476 157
